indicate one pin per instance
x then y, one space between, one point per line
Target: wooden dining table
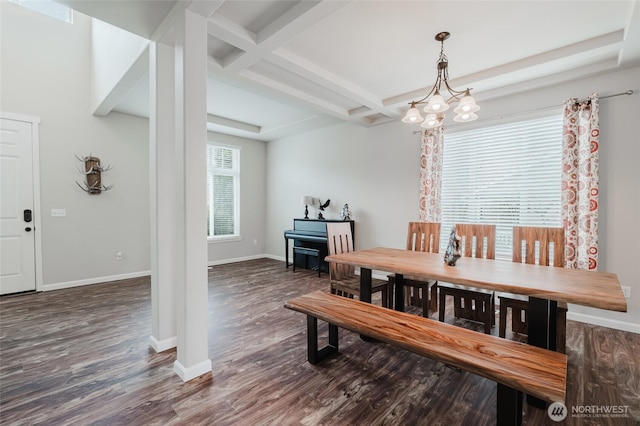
544 285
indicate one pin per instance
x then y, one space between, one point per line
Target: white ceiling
282 67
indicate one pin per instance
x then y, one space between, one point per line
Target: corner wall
46 73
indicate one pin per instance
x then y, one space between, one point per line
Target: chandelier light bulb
465 117
467 104
413 115
431 121
436 104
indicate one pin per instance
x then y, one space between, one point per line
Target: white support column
162 189
191 295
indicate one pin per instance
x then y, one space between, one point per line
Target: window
50 8
506 175
223 191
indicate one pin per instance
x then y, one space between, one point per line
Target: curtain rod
628 93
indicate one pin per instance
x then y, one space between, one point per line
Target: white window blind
223 190
505 175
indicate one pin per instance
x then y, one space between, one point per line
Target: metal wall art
92 170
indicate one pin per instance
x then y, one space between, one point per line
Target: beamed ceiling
278 68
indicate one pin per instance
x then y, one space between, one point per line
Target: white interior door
17 230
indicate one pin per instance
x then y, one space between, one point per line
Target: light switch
58 212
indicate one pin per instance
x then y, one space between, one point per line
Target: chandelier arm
455 94
436 85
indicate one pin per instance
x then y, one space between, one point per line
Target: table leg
542 332
365 285
399 293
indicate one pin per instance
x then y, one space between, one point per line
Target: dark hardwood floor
81 356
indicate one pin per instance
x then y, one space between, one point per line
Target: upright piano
311 233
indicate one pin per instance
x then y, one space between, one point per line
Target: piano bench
306 251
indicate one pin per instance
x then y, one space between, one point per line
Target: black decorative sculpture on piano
322 207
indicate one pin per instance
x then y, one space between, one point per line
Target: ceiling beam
283 29
235 124
318 75
205 8
138 70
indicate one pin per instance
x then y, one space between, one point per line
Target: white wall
376 171
113 53
46 72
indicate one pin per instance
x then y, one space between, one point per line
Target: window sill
228 239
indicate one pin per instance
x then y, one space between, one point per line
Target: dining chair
470 303
344 281
425 237
541 246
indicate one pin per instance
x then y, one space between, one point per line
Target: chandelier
436 105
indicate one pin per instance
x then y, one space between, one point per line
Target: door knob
27 229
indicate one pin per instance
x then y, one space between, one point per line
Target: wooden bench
516 367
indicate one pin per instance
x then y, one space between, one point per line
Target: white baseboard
97 280
101 280
163 345
191 373
604 322
236 259
274 257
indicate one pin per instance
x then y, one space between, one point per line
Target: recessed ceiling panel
243 105
219 49
388 47
254 15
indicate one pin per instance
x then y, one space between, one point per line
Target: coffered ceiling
283 67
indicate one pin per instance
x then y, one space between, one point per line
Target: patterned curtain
580 144
431 174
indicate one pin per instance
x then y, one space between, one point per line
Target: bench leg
314 355
509 406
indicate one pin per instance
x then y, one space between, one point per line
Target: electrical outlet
58 212
118 255
255 241
626 290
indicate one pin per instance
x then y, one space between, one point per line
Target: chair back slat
340 240
477 240
424 236
537 242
